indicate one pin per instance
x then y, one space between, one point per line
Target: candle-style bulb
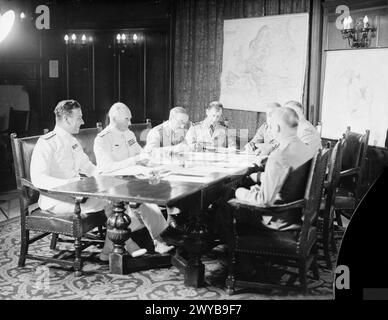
73 37
83 38
66 38
134 37
118 37
365 21
123 37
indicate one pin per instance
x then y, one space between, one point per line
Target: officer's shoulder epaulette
49 135
196 123
104 132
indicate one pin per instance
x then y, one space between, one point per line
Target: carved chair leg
54 239
333 243
231 280
326 252
77 260
101 232
24 246
303 276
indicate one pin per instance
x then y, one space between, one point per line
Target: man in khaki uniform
210 134
116 147
292 152
306 131
263 142
170 135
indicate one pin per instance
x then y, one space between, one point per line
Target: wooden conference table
189 181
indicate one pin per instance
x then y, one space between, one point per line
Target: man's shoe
162 247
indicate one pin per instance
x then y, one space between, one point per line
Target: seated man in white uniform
306 131
58 159
210 133
115 148
263 142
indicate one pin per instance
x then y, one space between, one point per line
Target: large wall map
264 60
355 93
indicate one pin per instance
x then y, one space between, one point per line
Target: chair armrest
266 210
349 172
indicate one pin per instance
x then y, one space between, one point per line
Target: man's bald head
178 118
296 106
120 116
283 122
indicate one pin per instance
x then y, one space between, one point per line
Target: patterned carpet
35 281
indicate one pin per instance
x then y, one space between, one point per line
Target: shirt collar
117 131
62 132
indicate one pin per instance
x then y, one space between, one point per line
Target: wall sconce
124 39
359 34
80 39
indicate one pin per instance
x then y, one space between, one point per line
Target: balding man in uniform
263 142
306 131
115 148
58 159
170 135
291 153
210 134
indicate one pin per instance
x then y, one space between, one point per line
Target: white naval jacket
57 159
115 149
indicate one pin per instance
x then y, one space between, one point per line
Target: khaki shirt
309 135
115 149
292 152
162 136
200 134
264 140
57 159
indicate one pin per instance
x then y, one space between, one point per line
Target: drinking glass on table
154 177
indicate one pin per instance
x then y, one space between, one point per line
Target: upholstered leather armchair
72 224
295 248
351 185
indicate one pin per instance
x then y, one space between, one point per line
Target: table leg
118 232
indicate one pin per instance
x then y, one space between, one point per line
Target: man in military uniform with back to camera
58 159
115 148
210 134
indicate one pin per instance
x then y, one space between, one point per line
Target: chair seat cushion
272 242
46 221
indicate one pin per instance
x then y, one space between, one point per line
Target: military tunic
115 149
292 152
163 136
202 135
57 159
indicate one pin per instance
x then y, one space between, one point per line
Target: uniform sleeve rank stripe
75 146
131 142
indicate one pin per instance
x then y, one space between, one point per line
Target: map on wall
264 60
355 93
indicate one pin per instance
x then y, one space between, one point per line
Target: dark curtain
199 46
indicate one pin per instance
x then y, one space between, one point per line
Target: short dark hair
65 107
216 105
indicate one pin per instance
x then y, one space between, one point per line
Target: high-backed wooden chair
326 216
141 131
351 186
295 248
42 222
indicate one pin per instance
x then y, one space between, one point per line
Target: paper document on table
133 171
191 178
203 171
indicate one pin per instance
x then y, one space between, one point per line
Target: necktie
211 129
